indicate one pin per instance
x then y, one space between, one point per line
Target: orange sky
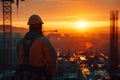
63 14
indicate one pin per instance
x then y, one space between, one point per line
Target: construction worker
36 55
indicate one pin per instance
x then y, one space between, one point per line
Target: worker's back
41 55
36 53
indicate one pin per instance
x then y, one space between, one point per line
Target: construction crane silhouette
7 34
50 31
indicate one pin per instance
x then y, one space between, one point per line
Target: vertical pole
4 45
116 41
114 44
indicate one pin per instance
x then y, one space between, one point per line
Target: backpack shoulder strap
26 49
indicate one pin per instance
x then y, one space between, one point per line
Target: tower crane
7 33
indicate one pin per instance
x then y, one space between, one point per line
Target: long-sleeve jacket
41 53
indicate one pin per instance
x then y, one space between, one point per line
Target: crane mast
7 33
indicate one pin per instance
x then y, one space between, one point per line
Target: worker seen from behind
36 55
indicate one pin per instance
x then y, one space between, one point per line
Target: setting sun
81 24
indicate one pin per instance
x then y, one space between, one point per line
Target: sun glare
81 24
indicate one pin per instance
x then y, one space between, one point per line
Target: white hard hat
35 19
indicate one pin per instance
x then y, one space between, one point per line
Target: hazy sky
64 12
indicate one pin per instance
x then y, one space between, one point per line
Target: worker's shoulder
20 42
43 39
